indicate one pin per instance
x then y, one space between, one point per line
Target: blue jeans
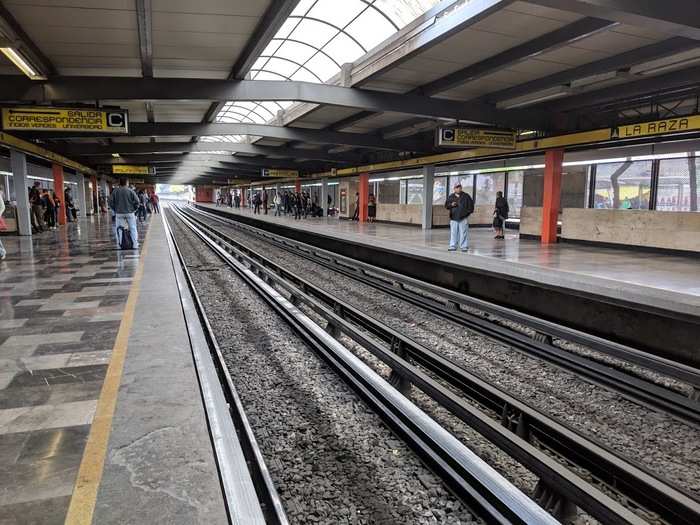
130 219
459 234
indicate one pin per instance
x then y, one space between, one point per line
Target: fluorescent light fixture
116 155
526 133
666 67
534 98
23 64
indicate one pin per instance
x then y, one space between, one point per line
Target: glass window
623 185
487 184
678 185
389 192
414 191
467 182
439 190
515 193
574 187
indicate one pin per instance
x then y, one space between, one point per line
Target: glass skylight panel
316 40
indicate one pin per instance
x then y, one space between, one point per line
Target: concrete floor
62 303
661 280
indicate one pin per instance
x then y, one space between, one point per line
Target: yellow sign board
658 127
38 151
21 118
280 173
130 169
480 138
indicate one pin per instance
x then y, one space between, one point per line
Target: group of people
371 208
460 206
148 203
126 204
44 207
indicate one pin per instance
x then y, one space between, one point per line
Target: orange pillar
551 199
297 185
364 196
57 171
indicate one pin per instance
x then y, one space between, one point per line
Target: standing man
461 206
36 207
124 203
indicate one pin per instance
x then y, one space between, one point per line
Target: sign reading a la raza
480 138
25 118
657 127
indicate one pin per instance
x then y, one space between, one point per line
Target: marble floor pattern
62 295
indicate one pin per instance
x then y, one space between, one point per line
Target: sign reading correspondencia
130 169
481 138
22 118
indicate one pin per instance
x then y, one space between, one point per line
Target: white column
18 166
428 178
324 196
82 204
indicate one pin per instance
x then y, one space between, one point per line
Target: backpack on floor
124 236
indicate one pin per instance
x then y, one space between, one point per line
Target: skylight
314 42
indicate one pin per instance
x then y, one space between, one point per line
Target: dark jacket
460 206
123 200
502 208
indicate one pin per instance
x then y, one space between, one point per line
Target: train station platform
654 279
101 416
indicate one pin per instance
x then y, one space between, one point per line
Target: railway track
517 428
487 493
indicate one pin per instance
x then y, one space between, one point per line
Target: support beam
656 51
164 158
428 180
144 19
14 32
551 198
18 166
548 42
675 17
71 89
87 149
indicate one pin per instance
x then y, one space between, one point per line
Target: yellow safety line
82 503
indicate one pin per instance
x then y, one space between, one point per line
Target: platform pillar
363 189
297 185
551 199
18 166
95 200
324 197
82 201
57 171
428 179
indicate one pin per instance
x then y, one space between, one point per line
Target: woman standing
500 214
371 208
50 213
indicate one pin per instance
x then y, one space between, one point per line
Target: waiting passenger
371 208
278 205
155 202
37 210
500 214
124 203
297 205
263 197
71 212
356 215
460 206
50 207
257 201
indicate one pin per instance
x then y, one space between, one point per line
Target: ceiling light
22 63
665 67
116 155
534 98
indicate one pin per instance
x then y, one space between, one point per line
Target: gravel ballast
664 445
331 458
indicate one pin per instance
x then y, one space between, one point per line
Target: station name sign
657 127
280 173
130 169
475 137
24 118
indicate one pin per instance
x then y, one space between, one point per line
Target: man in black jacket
461 206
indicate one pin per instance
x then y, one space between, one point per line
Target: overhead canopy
311 85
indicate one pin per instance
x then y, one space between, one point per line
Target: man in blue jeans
124 202
461 206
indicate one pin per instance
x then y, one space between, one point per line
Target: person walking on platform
124 203
460 206
36 208
237 200
297 205
143 203
155 202
257 201
371 208
500 214
356 215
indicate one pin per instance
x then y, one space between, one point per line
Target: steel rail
250 495
450 304
619 474
494 498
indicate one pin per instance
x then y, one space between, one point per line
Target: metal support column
57 171
428 178
82 202
18 166
324 197
551 199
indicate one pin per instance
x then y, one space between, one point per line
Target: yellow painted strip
82 503
33 149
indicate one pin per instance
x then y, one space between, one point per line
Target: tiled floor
61 298
666 280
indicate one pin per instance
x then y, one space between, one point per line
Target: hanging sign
279 173
21 118
657 127
130 169
480 138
